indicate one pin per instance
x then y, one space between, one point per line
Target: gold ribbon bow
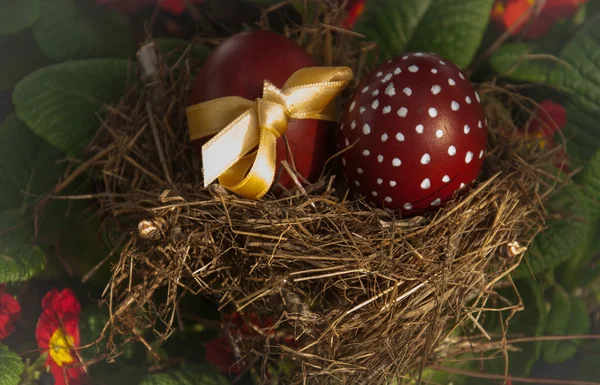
241 124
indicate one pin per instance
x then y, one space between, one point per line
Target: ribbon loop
242 152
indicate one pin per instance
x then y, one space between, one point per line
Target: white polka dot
469 157
462 185
388 199
375 93
446 179
432 112
380 158
439 133
357 183
366 129
359 170
379 181
419 54
390 90
407 206
451 82
362 110
413 68
436 202
402 112
442 62
467 129
342 127
425 184
460 74
480 154
352 105
366 152
365 89
374 193
375 104
393 183
451 150
344 161
379 74
384 137
477 97
386 78
468 100
386 109
455 106
396 162
407 91
479 124
353 125
400 137
434 71
486 124
397 71
404 57
420 128
436 89
346 142
425 159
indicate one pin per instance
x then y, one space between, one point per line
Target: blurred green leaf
589 370
452 28
16 15
190 375
564 237
557 323
19 259
578 323
11 367
71 29
589 179
22 57
60 102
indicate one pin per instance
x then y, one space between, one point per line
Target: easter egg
239 66
415 133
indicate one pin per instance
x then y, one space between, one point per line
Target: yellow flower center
60 347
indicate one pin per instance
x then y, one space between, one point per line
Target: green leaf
583 130
15 16
11 367
25 56
191 375
564 236
557 323
589 370
19 260
589 179
452 28
70 29
60 102
578 322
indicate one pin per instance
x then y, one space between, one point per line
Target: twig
158 143
84 167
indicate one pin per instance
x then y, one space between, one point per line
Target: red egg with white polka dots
415 132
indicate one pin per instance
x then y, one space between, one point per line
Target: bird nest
356 294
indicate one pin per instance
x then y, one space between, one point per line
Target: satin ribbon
240 125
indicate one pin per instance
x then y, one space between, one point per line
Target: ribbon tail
228 147
259 179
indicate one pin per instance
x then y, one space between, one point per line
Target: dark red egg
239 66
420 133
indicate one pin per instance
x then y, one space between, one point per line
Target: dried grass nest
366 295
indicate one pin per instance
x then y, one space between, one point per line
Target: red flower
132 6
550 118
57 334
10 313
220 354
355 9
513 13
